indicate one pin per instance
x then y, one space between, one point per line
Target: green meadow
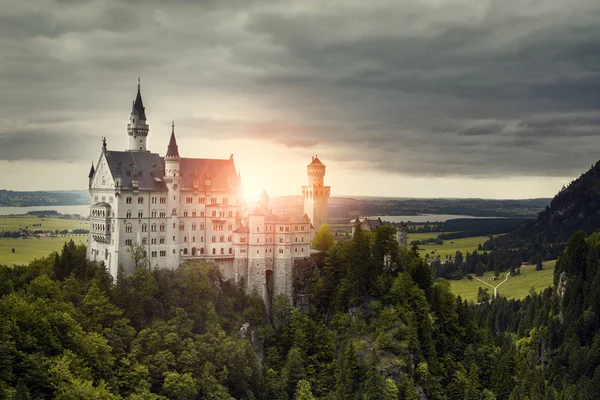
29 249
517 286
450 246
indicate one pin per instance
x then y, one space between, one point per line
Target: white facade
182 209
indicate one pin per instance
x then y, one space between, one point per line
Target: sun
252 187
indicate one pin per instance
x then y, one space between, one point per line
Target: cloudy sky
412 98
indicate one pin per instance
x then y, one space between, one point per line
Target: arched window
202 225
174 211
185 251
144 241
230 250
222 250
214 213
140 214
214 251
214 238
128 214
201 250
229 238
144 228
193 226
162 227
140 200
222 238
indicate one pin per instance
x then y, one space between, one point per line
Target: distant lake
84 211
424 217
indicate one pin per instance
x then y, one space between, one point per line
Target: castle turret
172 158
91 175
315 195
137 128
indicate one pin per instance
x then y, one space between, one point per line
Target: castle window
163 200
173 251
153 240
214 251
140 200
214 213
202 238
185 239
144 241
174 225
296 227
225 200
140 214
144 228
128 214
193 213
163 253
257 229
296 240
257 240
174 211
280 251
181 226
230 250
153 213
213 200
222 250
229 227
229 238
154 254
221 238
173 238
214 238
230 214
295 250
202 226
128 229
162 227
303 227
193 226
185 213
202 213
194 239
302 249
200 200
189 200
257 251
128 242
287 228
153 200
281 240
162 240
110 199
185 251
302 239
96 199
201 250
281 229
163 214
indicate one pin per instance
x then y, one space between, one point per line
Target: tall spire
172 150
138 104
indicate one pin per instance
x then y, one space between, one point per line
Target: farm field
517 287
47 223
450 246
29 249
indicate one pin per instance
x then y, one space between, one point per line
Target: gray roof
221 174
149 168
138 105
172 149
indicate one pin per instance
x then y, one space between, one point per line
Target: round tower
137 128
315 195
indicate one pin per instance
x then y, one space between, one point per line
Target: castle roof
173 150
242 229
316 161
148 169
209 174
138 105
92 171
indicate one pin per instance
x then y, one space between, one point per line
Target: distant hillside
9 198
576 207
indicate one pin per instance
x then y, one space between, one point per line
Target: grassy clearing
450 247
51 224
29 249
517 287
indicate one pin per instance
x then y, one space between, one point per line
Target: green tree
374 385
323 239
138 255
294 369
178 386
303 391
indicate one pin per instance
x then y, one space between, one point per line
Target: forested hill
576 207
9 198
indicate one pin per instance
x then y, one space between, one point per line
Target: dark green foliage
379 327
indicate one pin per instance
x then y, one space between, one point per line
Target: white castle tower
315 195
137 128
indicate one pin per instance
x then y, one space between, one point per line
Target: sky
402 98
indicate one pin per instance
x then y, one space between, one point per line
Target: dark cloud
437 87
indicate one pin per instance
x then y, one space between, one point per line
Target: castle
180 209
